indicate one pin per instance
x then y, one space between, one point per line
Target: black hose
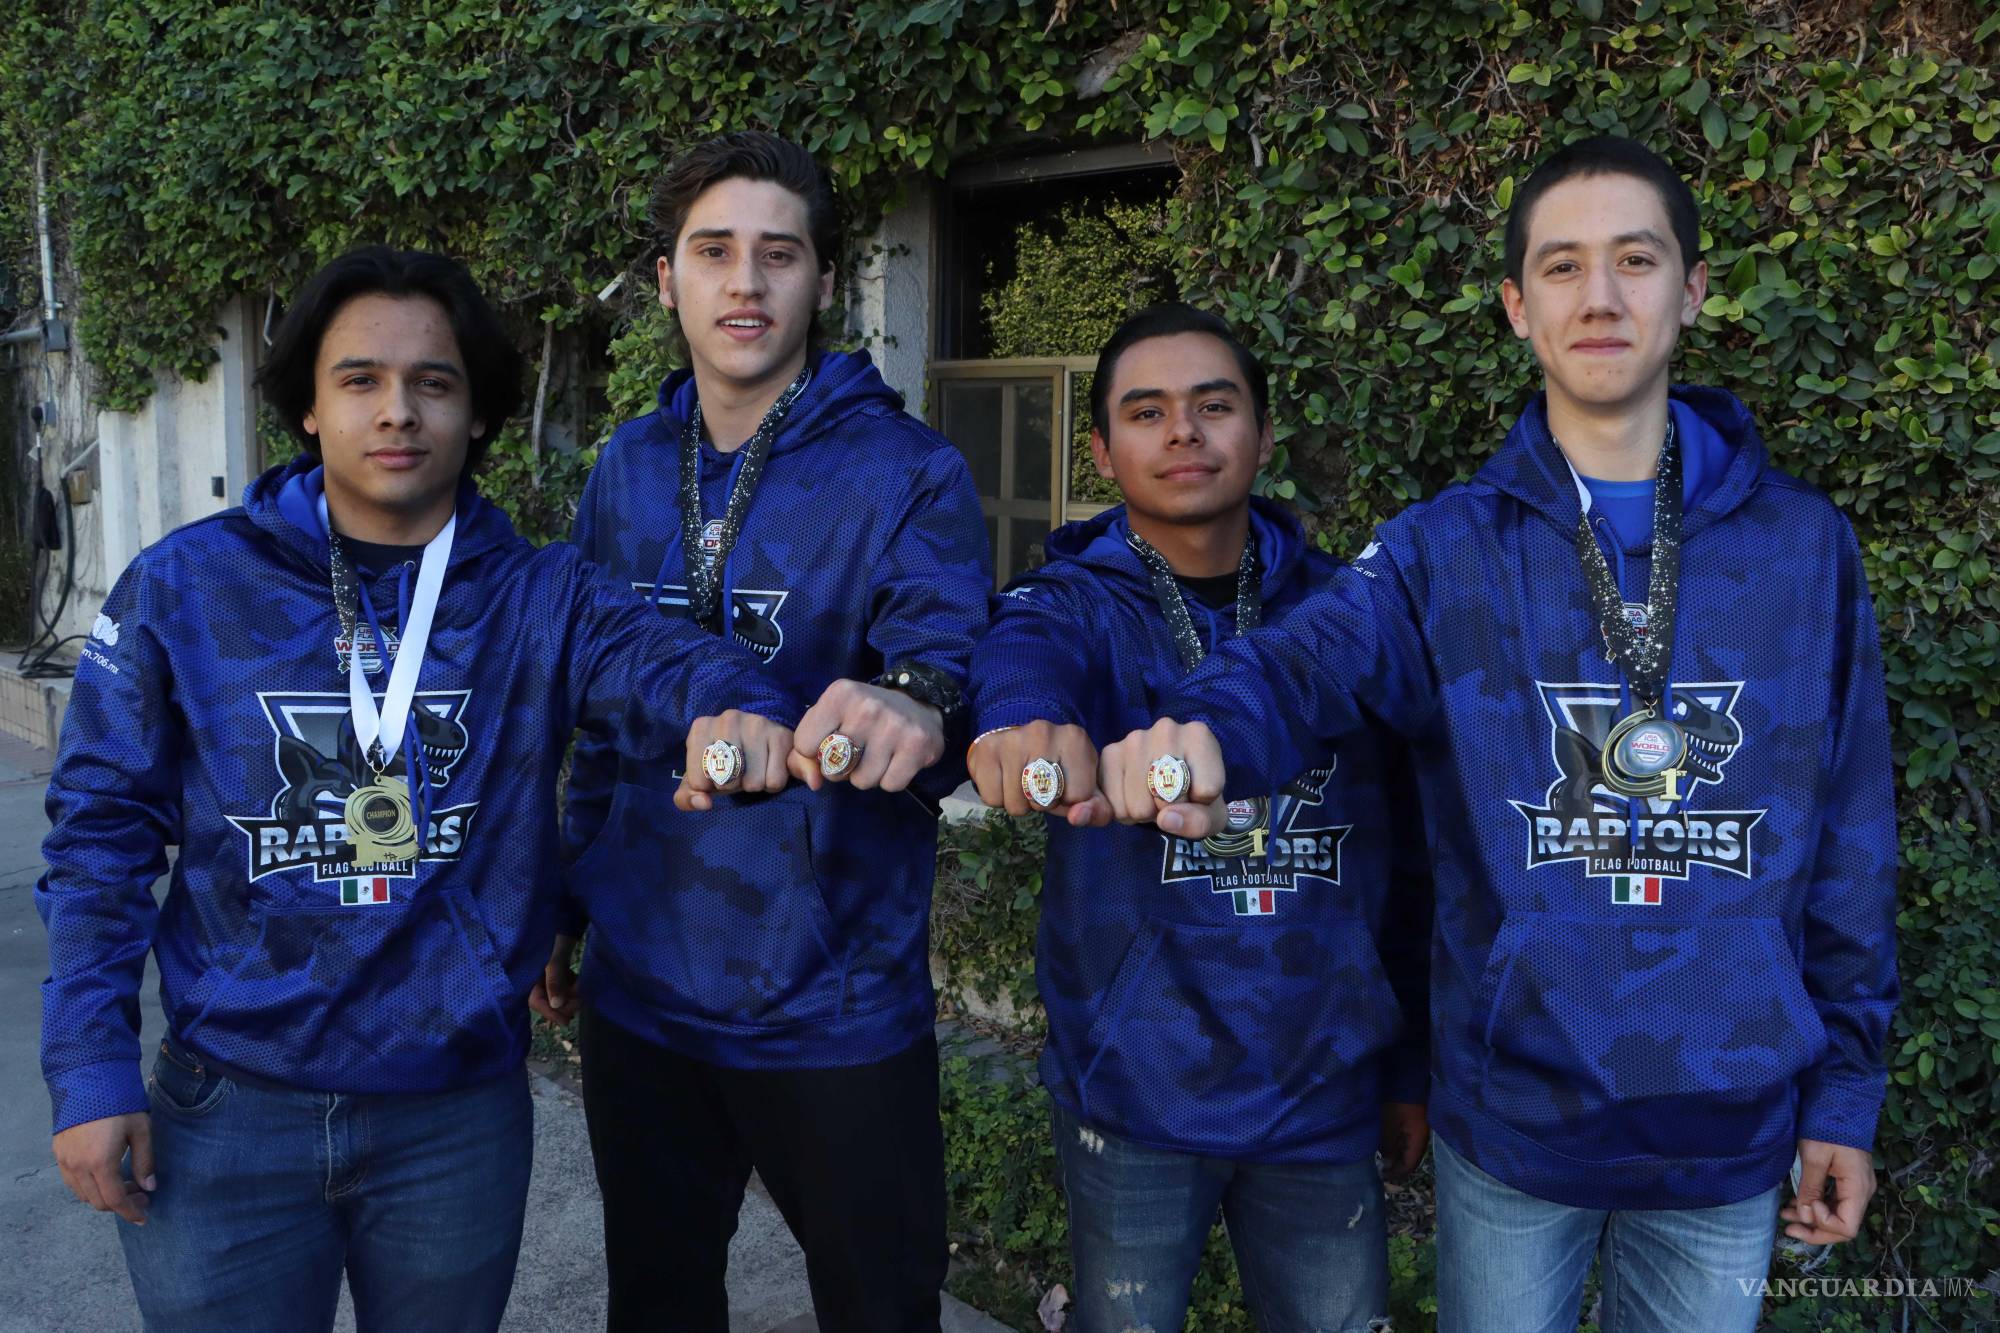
40 665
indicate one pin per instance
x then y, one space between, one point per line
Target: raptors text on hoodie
1637 1004
213 713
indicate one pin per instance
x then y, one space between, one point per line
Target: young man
346 702
1236 1022
756 985
1642 672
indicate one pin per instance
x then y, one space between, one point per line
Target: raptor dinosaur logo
1581 819
753 613
319 764
1255 858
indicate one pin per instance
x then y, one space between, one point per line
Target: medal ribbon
1167 592
1643 657
704 590
380 731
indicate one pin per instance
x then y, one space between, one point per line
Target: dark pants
854 1159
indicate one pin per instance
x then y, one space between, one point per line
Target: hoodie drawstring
728 607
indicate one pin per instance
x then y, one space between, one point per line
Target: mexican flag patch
362 892
1254 902
1632 889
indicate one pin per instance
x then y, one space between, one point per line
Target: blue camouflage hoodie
1219 1002
786 931
210 710
1636 1005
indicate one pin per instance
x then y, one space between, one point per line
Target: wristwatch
925 684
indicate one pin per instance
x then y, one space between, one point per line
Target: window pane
969 416
1034 419
1029 536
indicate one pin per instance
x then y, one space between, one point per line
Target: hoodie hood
285 503
1722 459
1099 542
844 385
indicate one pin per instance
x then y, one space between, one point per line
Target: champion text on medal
722 761
1168 778
836 754
1042 782
379 824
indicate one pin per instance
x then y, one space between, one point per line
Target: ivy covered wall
1345 165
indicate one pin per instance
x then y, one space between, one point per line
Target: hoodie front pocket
1609 1040
1221 1037
715 916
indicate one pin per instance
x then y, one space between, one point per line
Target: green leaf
1714 125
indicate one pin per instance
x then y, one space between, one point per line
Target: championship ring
1042 782
379 826
837 754
722 761
1168 778
1643 756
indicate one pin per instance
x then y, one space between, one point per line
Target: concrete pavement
64 1271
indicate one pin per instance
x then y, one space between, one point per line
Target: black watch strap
925 684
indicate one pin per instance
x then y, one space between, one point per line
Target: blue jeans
1310 1240
1508 1262
266 1194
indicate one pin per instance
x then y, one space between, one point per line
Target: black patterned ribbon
1167 592
1643 655
704 582
346 593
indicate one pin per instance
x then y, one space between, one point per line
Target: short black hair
1164 321
492 362
1605 155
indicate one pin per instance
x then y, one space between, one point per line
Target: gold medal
379 826
1243 832
1643 757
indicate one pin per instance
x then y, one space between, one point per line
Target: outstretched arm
1265 701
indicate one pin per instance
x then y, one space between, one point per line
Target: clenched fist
997 759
